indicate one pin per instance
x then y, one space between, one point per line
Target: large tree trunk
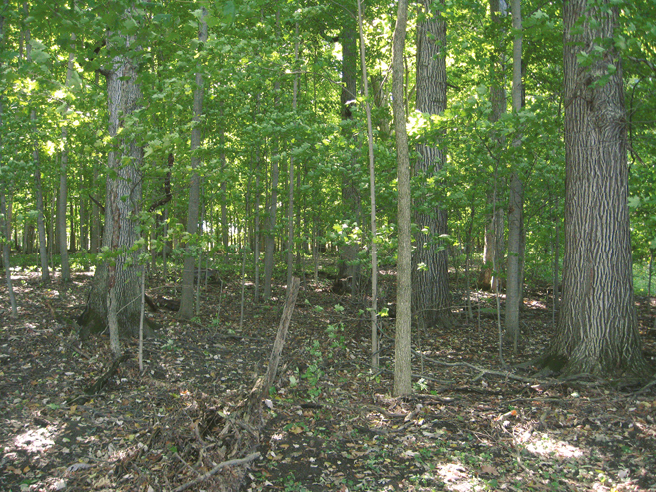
402 350
116 283
430 287
187 299
597 328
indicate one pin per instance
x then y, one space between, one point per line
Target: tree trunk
116 284
402 352
430 288
5 229
493 253
63 186
372 198
597 329
516 202
256 249
514 280
290 209
96 227
348 253
187 300
38 188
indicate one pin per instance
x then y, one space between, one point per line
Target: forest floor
329 425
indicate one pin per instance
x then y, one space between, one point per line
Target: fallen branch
216 469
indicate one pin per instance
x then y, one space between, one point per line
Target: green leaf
130 27
229 11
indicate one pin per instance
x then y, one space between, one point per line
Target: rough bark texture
597 328
187 299
430 287
122 205
402 350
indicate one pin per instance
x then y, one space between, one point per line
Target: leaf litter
329 423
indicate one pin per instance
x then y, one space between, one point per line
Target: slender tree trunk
402 352
38 188
651 264
597 329
4 215
516 205
430 287
187 300
372 197
348 253
256 252
290 210
556 266
270 241
96 227
63 185
493 253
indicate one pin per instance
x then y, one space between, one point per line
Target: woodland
306 246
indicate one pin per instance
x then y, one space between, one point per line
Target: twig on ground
216 469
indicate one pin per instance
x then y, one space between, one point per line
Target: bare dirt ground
329 424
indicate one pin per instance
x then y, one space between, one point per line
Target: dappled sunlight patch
456 477
544 445
35 440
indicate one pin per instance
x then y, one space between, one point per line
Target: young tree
402 351
493 251
63 183
187 300
36 156
372 191
516 201
351 200
430 287
597 329
5 235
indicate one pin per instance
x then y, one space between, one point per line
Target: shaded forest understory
331 426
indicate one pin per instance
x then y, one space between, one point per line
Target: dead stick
216 469
285 320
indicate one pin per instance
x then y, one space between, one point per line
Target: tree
430 287
493 251
187 300
402 350
5 234
348 254
597 329
63 183
115 290
516 202
372 191
36 159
